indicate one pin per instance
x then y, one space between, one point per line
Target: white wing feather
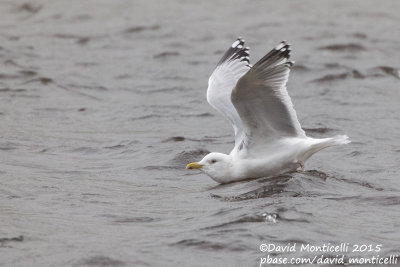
232 66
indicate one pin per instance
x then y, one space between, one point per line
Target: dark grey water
102 104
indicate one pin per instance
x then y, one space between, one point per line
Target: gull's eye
213 161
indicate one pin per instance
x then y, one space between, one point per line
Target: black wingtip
237 51
238 43
289 64
283 49
246 58
279 55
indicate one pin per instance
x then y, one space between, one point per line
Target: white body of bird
287 155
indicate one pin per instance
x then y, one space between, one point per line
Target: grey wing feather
232 66
262 101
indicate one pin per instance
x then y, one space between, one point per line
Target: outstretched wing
262 101
232 66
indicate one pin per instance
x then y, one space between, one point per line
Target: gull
269 139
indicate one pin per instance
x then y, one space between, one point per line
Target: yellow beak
194 165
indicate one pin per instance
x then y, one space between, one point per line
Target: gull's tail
326 142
